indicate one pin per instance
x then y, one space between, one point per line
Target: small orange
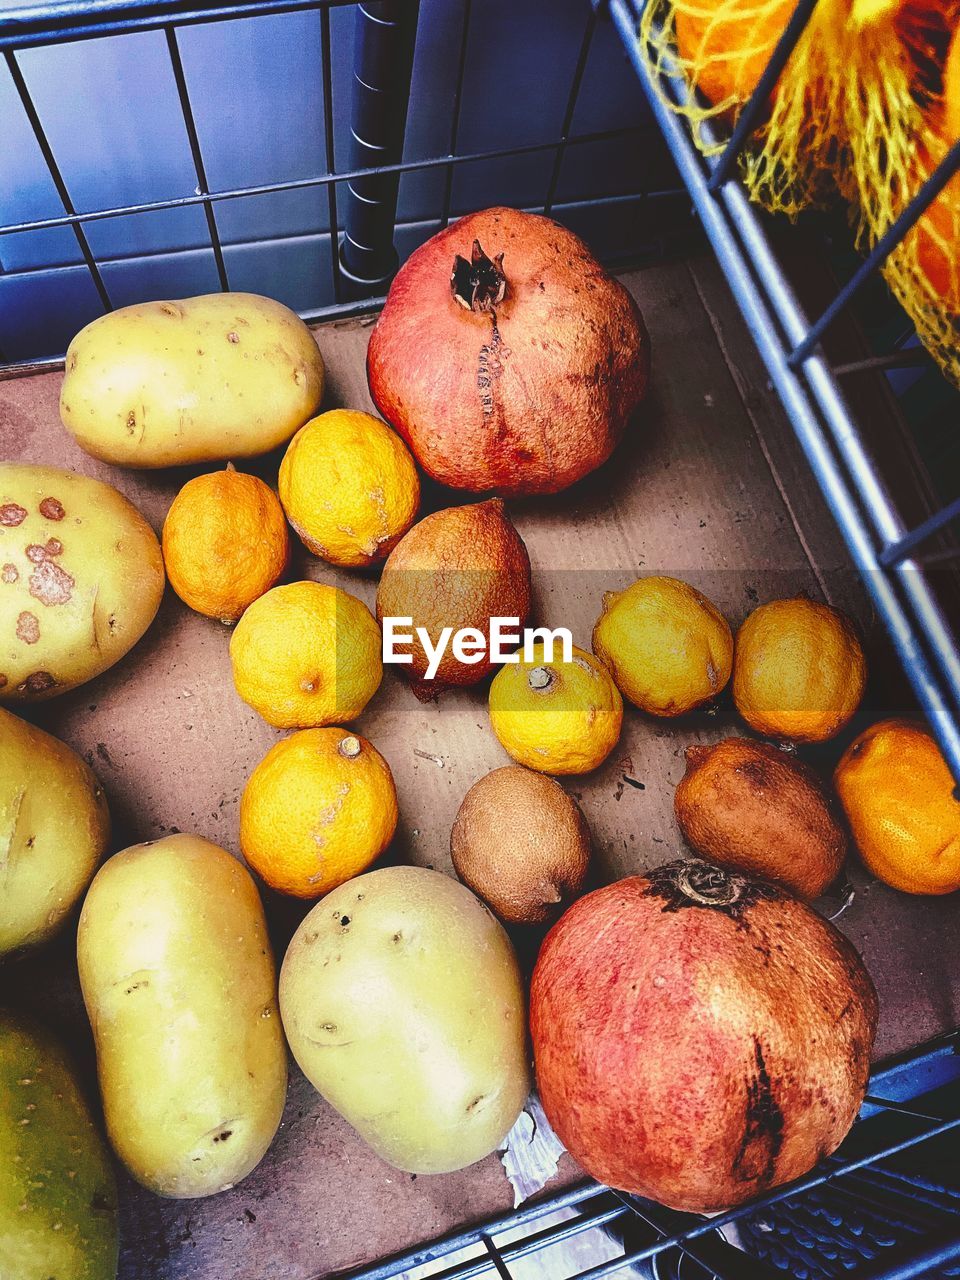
798 670
318 809
725 45
225 543
898 795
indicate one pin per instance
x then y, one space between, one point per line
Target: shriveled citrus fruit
319 808
555 716
455 569
798 670
306 654
225 542
667 647
520 842
898 795
725 45
349 487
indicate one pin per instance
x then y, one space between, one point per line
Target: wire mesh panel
886 1206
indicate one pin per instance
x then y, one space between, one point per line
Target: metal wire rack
883 548
886 1206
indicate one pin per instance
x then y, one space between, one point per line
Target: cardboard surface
701 489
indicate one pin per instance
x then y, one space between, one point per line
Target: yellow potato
180 988
81 578
403 1004
54 829
160 384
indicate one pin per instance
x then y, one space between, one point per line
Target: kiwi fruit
752 807
520 842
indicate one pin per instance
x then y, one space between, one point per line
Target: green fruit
58 1199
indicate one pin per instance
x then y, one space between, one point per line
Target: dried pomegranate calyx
478 285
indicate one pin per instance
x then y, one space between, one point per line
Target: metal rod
592 19
385 38
455 113
717 215
895 552
889 241
329 143
193 137
712 1252
300 184
72 20
56 177
757 103
495 1256
925 1263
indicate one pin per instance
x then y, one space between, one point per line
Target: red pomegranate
506 356
699 1037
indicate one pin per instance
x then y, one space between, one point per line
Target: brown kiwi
752 807
521 843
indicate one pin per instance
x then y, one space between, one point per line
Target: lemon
306 654
799 672
667 647
318 809
556 717
349 487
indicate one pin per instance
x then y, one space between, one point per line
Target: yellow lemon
668 648
349 487
798 670
225 542
318 809
306 654
556 717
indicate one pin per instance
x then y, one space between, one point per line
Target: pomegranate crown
478 285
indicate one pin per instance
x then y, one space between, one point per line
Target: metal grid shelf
881 545
866 1213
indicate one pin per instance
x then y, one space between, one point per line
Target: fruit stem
540 678
349 747
478 285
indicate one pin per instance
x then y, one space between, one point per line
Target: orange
725 45
897 792
951 91
318 809
349 487
307 654
798 670
937 234
225 543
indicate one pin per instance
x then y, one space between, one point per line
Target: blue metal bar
495 1257
923 1263
455 113
749 117
897 551
889 241
299 184
572 96
70 20
328 134
727 216
56 177
193 137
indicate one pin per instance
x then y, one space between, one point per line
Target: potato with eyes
81 579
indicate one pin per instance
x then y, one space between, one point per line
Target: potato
54 829
403 1004
81 578
179 984
160 384
58 1197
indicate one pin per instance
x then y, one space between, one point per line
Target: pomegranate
699 1037
506 357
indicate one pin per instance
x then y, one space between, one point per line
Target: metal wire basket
888 1203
